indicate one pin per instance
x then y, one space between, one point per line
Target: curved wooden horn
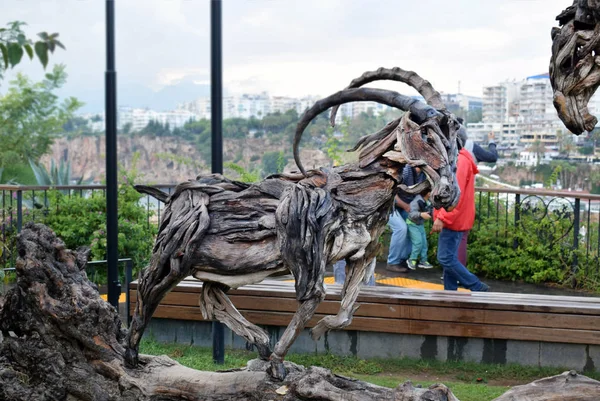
419 110
411 78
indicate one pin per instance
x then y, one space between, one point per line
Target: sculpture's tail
154 192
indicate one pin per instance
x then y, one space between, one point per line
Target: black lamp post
216 122
112 227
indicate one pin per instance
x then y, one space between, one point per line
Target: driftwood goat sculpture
575 64
229 234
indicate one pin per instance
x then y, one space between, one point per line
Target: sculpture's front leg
304 313
354 280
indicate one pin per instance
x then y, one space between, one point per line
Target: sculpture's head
425 136
575 64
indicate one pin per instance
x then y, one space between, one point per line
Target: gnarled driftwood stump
61 341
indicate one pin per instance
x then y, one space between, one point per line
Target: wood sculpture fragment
575 64
228 233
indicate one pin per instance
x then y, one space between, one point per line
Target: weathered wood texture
228 233
575 64
61 341
568 386
408 311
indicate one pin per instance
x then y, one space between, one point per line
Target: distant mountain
136 95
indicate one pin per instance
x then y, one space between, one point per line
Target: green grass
469 381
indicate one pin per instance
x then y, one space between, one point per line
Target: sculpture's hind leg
215 304
304 313
354 279
182 229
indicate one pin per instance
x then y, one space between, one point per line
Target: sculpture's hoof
264 351
277 370
131 358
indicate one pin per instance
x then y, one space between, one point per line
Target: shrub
539 249
81 221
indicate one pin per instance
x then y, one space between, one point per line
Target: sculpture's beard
571 102
575 75
445 193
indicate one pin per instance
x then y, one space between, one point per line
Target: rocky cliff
167 159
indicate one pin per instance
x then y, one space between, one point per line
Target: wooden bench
529 317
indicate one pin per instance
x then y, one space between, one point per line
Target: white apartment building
500 102
535 99
522 114
530 157
282 104
507 134
139 118
368 107
251 105
462 101
175 118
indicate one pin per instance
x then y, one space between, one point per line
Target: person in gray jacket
420 211
479 154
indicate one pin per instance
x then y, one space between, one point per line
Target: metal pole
19 210
216 105
576 217
112 228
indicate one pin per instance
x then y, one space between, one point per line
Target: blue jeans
454 271
400 245
416 233
339 273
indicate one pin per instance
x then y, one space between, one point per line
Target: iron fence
21 204
574 218
569 220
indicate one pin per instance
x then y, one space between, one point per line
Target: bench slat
387 311
407 326
403 296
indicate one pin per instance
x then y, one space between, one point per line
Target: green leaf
4 51
41 49
29 51
15 53
43 35
59 44
21 39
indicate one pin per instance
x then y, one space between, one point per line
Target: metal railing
504 207
572 219
20 204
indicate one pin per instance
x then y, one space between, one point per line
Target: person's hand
437 226
425 216
407 208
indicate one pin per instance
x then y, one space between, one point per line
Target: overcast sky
295 47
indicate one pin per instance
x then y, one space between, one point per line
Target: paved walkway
431 279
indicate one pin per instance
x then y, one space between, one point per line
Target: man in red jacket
453 225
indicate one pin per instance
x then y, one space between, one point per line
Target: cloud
295 47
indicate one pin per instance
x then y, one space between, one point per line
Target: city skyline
290 48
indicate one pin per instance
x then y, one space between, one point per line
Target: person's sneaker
425 265
484 288
412 264
396 268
